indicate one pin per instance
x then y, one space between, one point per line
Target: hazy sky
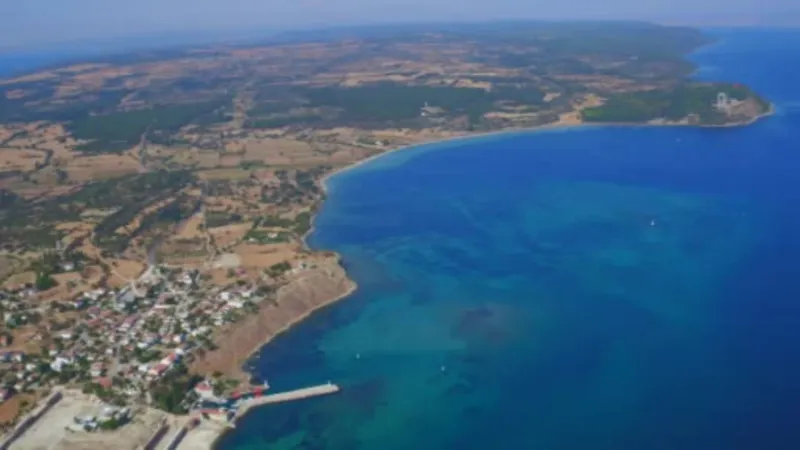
33 22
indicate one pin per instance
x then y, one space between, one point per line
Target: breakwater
313 391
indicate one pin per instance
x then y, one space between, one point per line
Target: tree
44 281
279 269
171 390
264 289
218 389
112 424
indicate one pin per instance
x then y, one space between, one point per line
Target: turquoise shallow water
604 288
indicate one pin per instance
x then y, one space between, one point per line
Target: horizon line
211 36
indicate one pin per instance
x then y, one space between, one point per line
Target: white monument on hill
723 103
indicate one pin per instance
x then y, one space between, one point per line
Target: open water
592 288
15 63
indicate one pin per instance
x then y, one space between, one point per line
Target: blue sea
15 63
590 288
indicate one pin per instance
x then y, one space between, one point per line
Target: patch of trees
283 121
388 101
119 218
587 48
170 214
306 180
218 188
221 218
273 99
392 101
146 356
279 269
61 176
283 195
130 195
302 223
129 189
98 390
23 238
272 221
34 106
118 131
112 244
170 391
303 187
48 262
251 164
671 104
113 423
525 95
265 237
45 281
173 213
641 40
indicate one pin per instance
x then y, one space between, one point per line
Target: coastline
309 292
525 130
350 286
558 125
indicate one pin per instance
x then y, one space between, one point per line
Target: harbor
206 428
314 391
205 425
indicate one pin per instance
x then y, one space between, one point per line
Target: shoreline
352 286
525 130
323 183
313 290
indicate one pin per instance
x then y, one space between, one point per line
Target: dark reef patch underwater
593 288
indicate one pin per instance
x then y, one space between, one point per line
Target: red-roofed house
205 390
158 369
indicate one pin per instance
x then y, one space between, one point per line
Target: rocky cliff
308 291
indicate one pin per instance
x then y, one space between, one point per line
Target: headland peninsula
153 205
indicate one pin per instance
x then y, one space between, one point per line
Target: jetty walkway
313 391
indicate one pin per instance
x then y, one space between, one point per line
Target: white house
59 363
97 369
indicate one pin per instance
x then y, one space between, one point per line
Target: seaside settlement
125 357
153 207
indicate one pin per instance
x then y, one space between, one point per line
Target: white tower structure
723 102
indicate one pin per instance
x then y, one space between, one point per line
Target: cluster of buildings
113 342
108 416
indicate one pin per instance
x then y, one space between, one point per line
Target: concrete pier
206 435
314 391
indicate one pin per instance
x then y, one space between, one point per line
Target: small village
129 348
